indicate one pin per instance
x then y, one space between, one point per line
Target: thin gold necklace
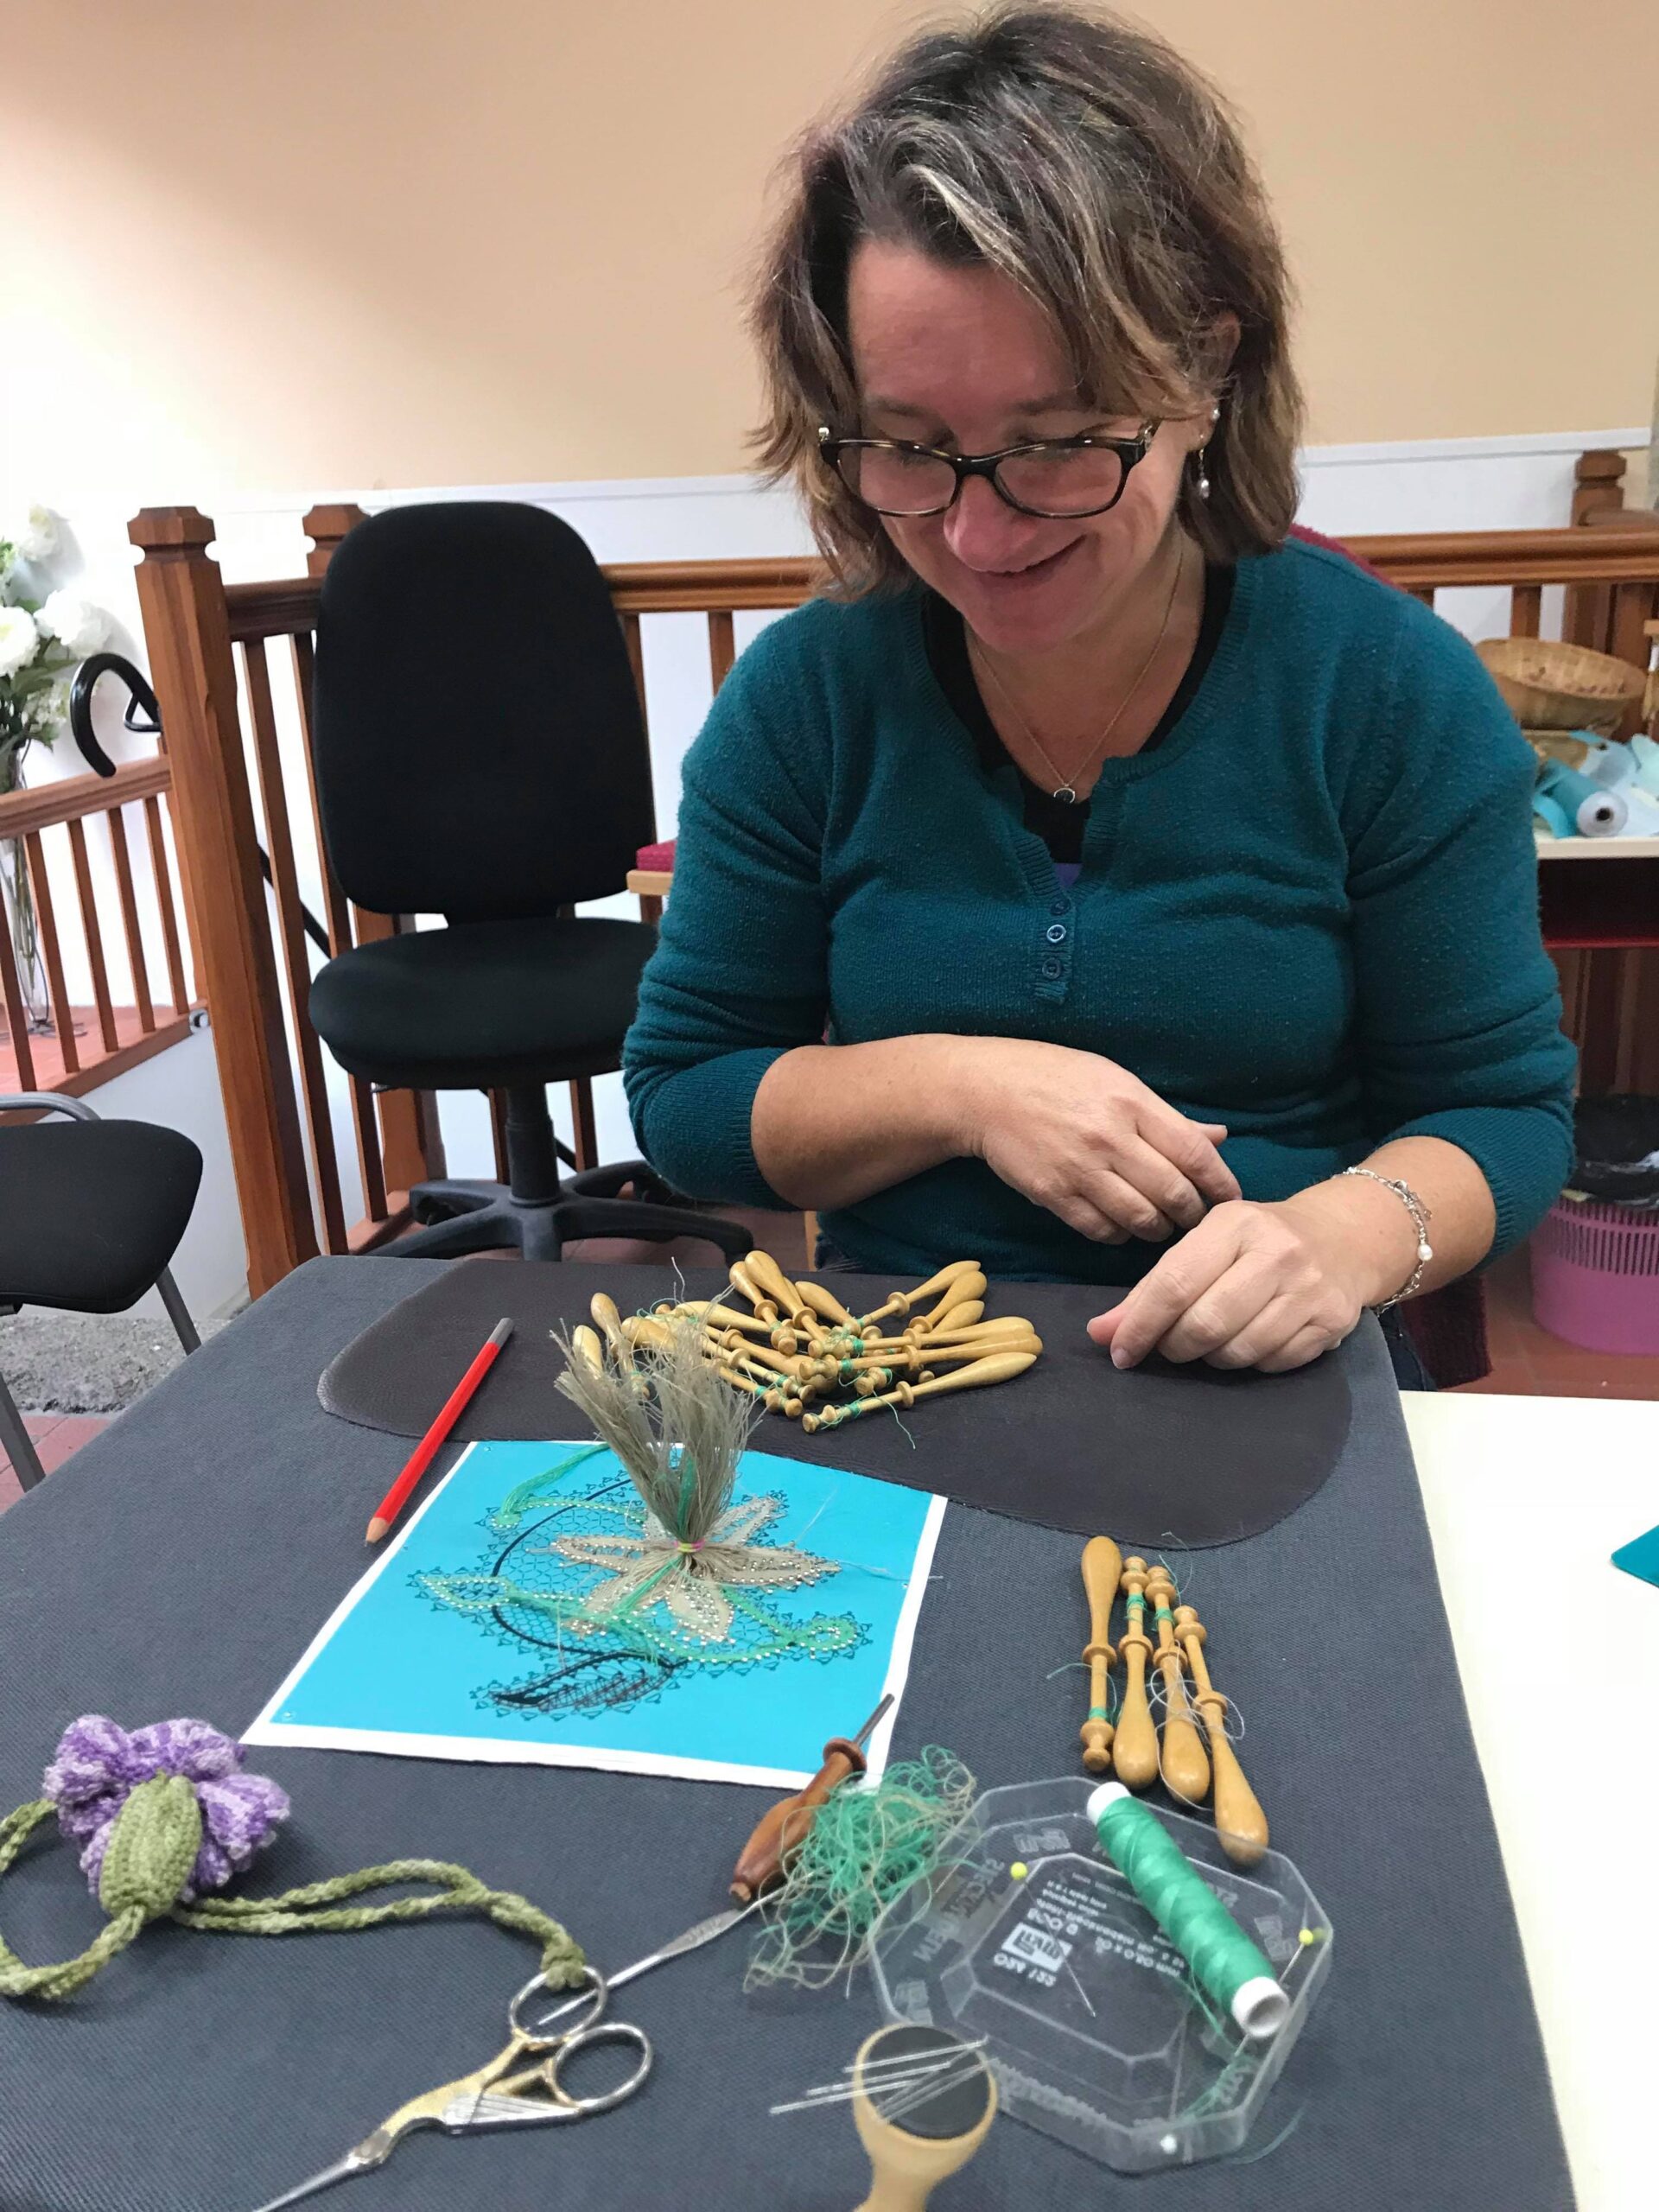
1067 787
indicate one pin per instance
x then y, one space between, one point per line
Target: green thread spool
1224 1961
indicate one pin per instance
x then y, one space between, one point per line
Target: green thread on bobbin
1099 1713
1225 1962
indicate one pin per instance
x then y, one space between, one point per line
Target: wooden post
1598 490
187 631
411 1146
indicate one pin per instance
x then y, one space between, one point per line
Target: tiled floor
1526 1361
55 1436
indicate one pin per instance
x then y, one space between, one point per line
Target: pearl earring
1202 486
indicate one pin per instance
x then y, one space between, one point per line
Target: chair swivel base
463 1217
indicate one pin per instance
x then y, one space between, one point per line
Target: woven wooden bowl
1548 685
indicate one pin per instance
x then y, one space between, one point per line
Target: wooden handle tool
1240 1822
763 1860
1103 1563
1186 1769
1000 1367
1134 1747
927 2138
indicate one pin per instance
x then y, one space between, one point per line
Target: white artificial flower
35 536
78 627
19 639
49 710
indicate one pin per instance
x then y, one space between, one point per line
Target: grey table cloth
181 1562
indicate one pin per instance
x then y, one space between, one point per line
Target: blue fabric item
1311 913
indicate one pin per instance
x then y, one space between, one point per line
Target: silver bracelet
1420 1215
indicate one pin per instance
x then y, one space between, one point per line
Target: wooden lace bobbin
1185 1767
765 1309
587 1345
784 1293
609 1322
644 1330
1134 1747
906 1358
827 1308
714 1315
929 2138
1103 1563
1000 1367
982 1335
903 1302
961 1313
1240 1822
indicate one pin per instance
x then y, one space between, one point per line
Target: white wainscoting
1506 483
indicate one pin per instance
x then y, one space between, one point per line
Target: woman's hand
1264 1285
1086 1138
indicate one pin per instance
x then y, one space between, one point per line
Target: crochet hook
427 1450
760 1864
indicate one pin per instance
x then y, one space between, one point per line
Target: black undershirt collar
1059 826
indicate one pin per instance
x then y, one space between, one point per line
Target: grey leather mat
1160 1455
183 1559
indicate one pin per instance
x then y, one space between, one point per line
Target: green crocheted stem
320 1908
63 1978
145 1852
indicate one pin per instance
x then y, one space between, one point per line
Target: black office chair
91 1212
480 756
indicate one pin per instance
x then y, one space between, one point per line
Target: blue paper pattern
460 1634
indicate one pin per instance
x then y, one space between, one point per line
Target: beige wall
254 244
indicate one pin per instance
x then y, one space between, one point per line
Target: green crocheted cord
152 1846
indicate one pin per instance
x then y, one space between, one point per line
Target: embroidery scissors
506 2093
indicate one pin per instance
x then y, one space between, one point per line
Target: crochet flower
98 1766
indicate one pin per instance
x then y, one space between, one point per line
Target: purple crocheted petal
191 1748
78 1822
93 1755
241 1812
91 1859
211 1870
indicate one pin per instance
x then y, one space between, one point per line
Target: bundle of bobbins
799 1352
1139 1746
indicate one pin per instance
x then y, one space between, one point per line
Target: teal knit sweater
1311 912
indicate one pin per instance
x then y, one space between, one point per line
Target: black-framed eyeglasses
1057 478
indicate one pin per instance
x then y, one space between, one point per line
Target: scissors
504 2094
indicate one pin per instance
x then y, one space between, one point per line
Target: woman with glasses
1095 880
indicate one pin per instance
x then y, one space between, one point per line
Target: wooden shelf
1596 849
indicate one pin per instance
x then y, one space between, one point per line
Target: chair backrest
479 746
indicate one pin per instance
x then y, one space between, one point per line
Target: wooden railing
63 1052
255 969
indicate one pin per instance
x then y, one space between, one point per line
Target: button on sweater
1311 912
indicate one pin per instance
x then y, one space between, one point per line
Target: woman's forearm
832 1123
1377 1229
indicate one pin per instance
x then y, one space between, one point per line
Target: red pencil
424 1453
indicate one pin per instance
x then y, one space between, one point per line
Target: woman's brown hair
1088 162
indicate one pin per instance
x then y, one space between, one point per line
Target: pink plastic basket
1595 1276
